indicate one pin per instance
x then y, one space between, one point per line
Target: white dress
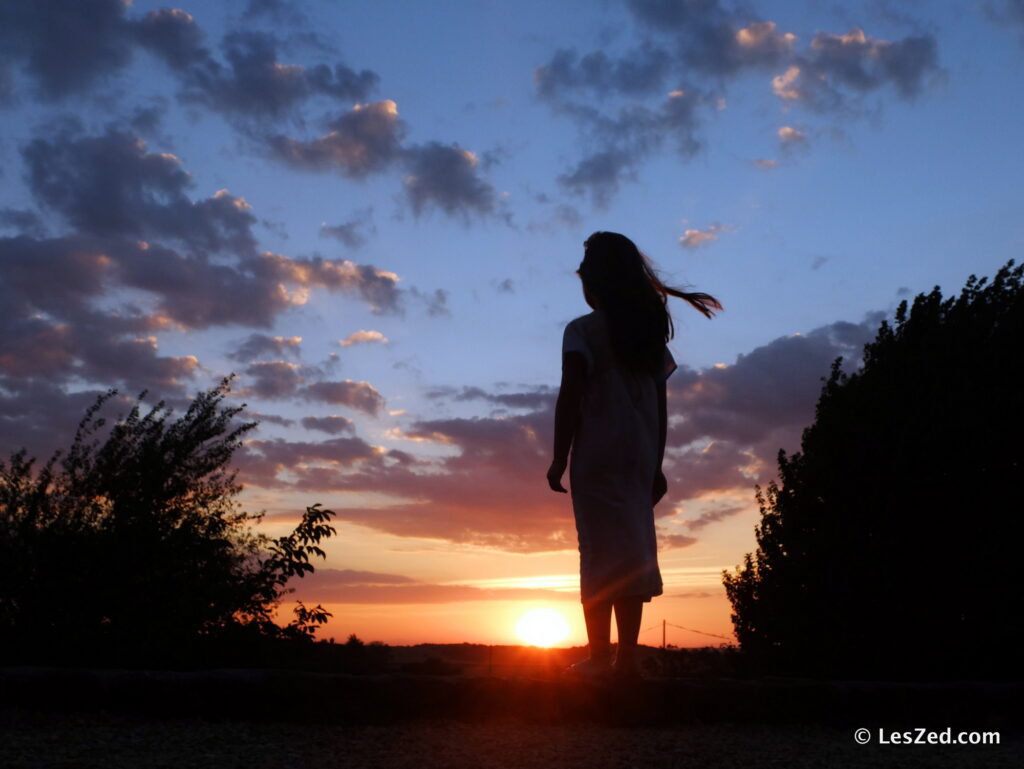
612 469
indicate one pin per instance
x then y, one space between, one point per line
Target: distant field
32 740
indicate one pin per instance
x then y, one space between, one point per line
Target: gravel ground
30 740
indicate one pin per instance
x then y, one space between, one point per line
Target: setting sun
542 627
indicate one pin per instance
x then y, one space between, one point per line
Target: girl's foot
589 668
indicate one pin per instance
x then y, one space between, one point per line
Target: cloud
624 141
486 488
489 492
34 411
1007 14
361 396
51 329
366 139
363 337
112 185
837 66
537 398
698 48
712 516
359 587
70 47
370 139
730 421
642 70
277 11
445 177
601 174
22 222
273 419
260 461
255 83
272 379
692 239
789 136
352 232
172 35
436 302
773 386
670 541
65 48
257 345
330 578
332 424
141 259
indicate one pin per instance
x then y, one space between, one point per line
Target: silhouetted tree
890 545
133 548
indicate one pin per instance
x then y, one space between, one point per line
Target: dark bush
890 545
133 550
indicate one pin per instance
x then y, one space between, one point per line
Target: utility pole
663 634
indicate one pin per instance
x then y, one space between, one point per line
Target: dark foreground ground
79 740
275 718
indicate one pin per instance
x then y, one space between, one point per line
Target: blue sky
300 173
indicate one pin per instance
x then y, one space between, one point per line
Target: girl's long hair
628 291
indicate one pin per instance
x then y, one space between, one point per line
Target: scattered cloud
838 69
727 424
697 49
361 396
789 136
67 50
257 345
692 239
272 379
363 337
333 425
366 139
1007 14
712 516
445 177
436 302
353 233
111 185
359 587
668 541
78 46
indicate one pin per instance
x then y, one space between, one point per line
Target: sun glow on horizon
542 627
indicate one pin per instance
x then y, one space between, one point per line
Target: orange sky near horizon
476 595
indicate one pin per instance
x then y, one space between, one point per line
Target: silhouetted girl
611 411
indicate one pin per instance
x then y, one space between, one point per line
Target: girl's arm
567 414
660 484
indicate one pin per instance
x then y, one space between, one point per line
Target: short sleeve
670 363
573 341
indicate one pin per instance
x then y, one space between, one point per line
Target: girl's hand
660 487
555 476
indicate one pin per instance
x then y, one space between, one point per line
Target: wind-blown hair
625 287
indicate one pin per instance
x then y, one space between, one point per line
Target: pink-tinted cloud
361 396
728 424
361 587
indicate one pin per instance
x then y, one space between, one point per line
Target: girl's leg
598 616
628 612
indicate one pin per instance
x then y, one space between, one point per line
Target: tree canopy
890 544
133 547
